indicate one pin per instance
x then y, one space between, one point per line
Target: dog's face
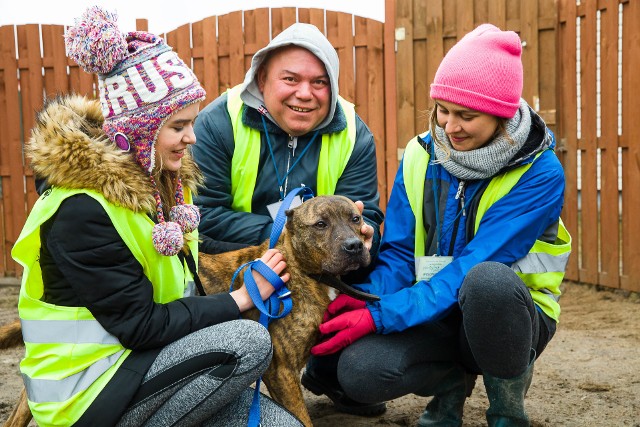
325 234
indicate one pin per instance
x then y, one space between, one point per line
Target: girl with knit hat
473 252
113 330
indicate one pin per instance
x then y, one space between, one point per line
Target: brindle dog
322 241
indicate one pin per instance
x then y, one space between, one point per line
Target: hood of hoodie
69 149
304 35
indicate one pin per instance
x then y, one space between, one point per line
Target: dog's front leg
283 384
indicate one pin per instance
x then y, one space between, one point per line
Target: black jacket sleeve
109 281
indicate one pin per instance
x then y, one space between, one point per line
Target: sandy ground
589 375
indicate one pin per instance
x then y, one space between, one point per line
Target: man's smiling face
296 89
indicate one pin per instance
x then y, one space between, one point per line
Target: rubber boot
450 392
506 398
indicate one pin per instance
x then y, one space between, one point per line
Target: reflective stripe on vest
69 357
334 154
60 390
542 269
66 331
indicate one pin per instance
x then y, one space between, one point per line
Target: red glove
342 304
350 327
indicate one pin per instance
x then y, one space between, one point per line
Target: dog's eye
356 219
320 224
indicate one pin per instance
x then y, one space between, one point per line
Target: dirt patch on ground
589 375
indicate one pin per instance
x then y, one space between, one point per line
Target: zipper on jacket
292 144
460 198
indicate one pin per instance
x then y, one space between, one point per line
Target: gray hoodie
308 37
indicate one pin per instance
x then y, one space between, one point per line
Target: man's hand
366 229
349 327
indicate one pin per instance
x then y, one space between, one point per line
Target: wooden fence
599 132
386 70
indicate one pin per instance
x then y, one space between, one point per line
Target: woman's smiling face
467 129
175 136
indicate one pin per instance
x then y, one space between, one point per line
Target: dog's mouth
334 282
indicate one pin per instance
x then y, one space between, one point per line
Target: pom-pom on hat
142 82
483 71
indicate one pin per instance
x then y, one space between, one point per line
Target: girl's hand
274 259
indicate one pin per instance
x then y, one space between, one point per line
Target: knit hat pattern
483 72
141 82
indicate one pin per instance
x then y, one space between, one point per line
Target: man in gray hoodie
284 127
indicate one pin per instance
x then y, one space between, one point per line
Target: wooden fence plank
10 137
224 36
390 96
631 141
435 44
547 80
421 57
12 185
497 13
340 34
256 34
236 49
316 17
376 110
464 17
281 19
54 59
530 52
608 144
361 69
587 145
567 126
405 80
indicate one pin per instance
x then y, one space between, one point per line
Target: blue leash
271 310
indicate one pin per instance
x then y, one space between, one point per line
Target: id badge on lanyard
275 207
428 266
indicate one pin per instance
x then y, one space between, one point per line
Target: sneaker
341 402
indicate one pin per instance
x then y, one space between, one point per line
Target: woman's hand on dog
275 261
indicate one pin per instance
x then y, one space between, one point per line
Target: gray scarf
486 161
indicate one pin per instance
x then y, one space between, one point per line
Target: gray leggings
492 331
204 379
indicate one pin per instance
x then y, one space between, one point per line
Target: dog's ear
288 224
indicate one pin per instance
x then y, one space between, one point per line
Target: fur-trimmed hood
69 149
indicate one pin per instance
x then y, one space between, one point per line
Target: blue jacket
507 232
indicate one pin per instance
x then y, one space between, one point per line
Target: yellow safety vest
542 269
69 356
334 154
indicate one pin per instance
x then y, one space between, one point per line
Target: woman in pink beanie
114 332
473 252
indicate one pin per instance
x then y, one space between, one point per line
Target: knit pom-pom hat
142 82
483 72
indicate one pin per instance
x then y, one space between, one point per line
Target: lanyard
435 181
281 182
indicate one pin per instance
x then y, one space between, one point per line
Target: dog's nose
353 246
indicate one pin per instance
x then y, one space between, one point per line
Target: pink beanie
142 82
483 71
